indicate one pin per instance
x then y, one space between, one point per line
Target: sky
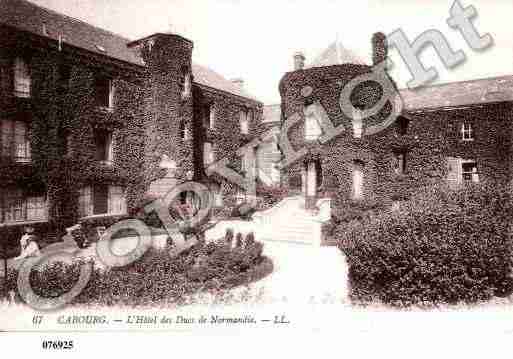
256 40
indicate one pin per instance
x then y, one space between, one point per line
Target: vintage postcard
282 170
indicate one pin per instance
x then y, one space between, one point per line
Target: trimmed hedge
157 278
440 247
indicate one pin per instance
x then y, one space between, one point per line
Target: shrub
441 247
156 277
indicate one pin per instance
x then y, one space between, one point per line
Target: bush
156 278
442 247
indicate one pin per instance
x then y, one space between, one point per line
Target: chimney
299 61
239 82
379 48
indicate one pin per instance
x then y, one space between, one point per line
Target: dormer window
245 116
22 80
104 92
467 133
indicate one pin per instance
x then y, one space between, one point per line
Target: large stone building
453 133
92 123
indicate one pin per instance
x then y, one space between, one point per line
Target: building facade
92 123
455 134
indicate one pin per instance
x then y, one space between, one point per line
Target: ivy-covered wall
432 136
146 122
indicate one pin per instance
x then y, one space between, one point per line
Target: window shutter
454 176
7 138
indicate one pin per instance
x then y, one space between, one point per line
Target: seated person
28 243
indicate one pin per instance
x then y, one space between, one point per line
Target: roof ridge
457 82
54 12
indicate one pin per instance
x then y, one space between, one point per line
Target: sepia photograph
292 172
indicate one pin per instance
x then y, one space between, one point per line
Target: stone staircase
289 221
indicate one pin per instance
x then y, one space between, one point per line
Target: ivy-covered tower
168 110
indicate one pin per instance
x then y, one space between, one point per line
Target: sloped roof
335 54
38 20
461 93
208 77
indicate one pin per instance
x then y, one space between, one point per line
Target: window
184 132
102 199
399 163
208 154
64 78
218 196
244 121
65 136
357 123
117 200
461 171
357 179
467 133
16 141
22 81
469 171
17 206
104 148
186 92
312 128
104 92
240 197
248 160
402 125
210 116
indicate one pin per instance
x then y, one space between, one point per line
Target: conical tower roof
335 54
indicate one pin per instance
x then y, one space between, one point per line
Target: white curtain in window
22 81
212 116
14 206
208 153
357 182
117 200
244 125
357 123
36 208
110 148
312 128
21 142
